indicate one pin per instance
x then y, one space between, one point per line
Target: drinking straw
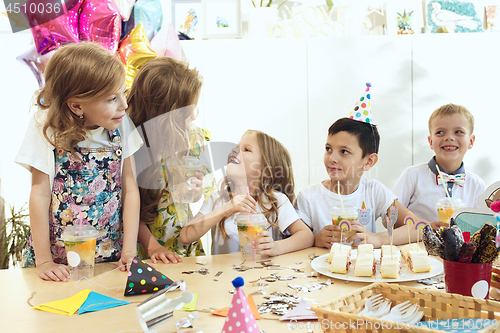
79 226
80 219
253 250
409 220
248 193
409 239
444 186
340 197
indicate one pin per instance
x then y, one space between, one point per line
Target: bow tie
458 179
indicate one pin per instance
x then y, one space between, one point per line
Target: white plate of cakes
395 269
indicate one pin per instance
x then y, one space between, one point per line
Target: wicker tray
340 314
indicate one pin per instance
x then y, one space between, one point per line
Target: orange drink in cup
249 225
446 208
349 213
80 243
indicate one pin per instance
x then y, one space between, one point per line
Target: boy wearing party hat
450 136
351 149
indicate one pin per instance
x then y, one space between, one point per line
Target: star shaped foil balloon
136 51
124 8
51 35
100 22
149 13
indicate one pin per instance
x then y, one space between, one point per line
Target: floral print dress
86 190
172 216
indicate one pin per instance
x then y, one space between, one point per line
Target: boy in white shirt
351 149
450 136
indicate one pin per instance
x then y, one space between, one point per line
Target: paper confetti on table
98 302
67 306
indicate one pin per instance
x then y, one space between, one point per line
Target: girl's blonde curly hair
276 176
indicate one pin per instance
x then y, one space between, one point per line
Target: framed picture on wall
492 18
187 17
222 18
454 15
404 13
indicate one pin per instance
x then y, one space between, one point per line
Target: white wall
17 85
462 69
338 69
294 89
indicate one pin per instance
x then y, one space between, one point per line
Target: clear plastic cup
191 165
80 242
445 208
181 176
249 225
349 213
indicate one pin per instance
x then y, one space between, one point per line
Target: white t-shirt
36 152
315 202
286 216
417 189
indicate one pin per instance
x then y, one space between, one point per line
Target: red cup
467 279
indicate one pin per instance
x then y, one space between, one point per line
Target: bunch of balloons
131 29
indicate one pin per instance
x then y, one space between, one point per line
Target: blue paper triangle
98 302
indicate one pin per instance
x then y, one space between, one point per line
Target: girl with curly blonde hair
79 148
259 179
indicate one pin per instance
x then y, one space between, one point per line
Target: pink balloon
124 8
36 63
100 23
51 35
166 43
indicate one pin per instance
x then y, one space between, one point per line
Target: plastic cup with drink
446 206
80 243
249 225
340 213
181 177
190 166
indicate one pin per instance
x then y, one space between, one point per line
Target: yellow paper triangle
67 306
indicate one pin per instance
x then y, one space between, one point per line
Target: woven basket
340 314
